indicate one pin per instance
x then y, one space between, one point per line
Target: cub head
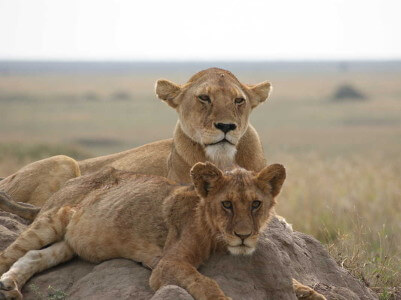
237 205
213 109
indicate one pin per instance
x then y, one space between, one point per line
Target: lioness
213 109
169 227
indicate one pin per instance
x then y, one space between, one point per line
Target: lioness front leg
306 293
186 276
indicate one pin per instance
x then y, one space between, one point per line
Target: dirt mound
281 255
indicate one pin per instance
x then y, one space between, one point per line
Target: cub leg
45 230
186 276
305 292
33 262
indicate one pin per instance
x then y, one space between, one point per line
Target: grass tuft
51 293
353 206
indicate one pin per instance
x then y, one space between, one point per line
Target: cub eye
227 204
204 98
256 204
239 100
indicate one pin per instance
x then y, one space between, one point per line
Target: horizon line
108 60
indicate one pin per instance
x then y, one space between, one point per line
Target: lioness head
237 204
213 109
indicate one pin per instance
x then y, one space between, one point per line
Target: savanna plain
342 154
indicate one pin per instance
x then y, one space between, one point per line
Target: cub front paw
9 290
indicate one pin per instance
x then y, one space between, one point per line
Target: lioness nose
243 236
225 127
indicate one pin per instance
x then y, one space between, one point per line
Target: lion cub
169 227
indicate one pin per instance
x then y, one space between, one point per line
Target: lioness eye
204 98
256 204
227 204
239 100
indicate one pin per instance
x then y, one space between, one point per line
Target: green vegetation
52 293
14 155
32 152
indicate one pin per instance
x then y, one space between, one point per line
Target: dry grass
15 155
353 206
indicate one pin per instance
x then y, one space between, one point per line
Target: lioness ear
167 91
259 92
271 178
206 178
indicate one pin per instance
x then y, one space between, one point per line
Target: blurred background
77 78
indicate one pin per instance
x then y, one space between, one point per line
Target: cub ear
167 91
271 178
206 178
260 92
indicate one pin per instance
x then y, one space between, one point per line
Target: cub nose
242 236
225 127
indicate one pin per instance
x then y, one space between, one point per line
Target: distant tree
347 92
121 95
90 96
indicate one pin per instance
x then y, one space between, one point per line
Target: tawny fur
36 182
169 227
172 158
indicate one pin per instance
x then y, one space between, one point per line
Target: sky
200 30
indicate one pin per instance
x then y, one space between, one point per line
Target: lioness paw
9 290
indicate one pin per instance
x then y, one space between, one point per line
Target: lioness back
147 159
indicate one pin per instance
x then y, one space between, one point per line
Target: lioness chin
169 227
